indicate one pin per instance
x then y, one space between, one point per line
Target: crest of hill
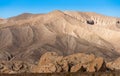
23 16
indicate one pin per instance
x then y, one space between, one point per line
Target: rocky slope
28 36
51 62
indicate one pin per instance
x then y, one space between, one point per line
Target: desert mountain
28 36
2 21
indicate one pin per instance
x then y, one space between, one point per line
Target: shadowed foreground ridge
25 38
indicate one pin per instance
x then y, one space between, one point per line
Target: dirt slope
26 37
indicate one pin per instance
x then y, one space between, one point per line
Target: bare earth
66 34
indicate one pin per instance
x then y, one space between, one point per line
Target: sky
9 8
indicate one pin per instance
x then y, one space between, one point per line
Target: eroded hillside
28 36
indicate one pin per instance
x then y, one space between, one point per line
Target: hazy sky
10 8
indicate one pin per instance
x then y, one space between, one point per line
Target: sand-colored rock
47 68
5 67
49 62
96 65
19 66
76 68
50 57
79 58
114 65
92 66
14 67
73 63
64 65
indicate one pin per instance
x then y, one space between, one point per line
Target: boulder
14 67
79 58
5 67
20 67
76 68
47 68
64 65
51 62
96 65
49 57
93 66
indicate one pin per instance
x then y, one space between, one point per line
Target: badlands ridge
25 38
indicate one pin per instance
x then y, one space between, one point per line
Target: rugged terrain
25 38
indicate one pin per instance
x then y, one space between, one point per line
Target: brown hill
26 37
2 21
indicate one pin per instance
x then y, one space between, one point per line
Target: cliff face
26 37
